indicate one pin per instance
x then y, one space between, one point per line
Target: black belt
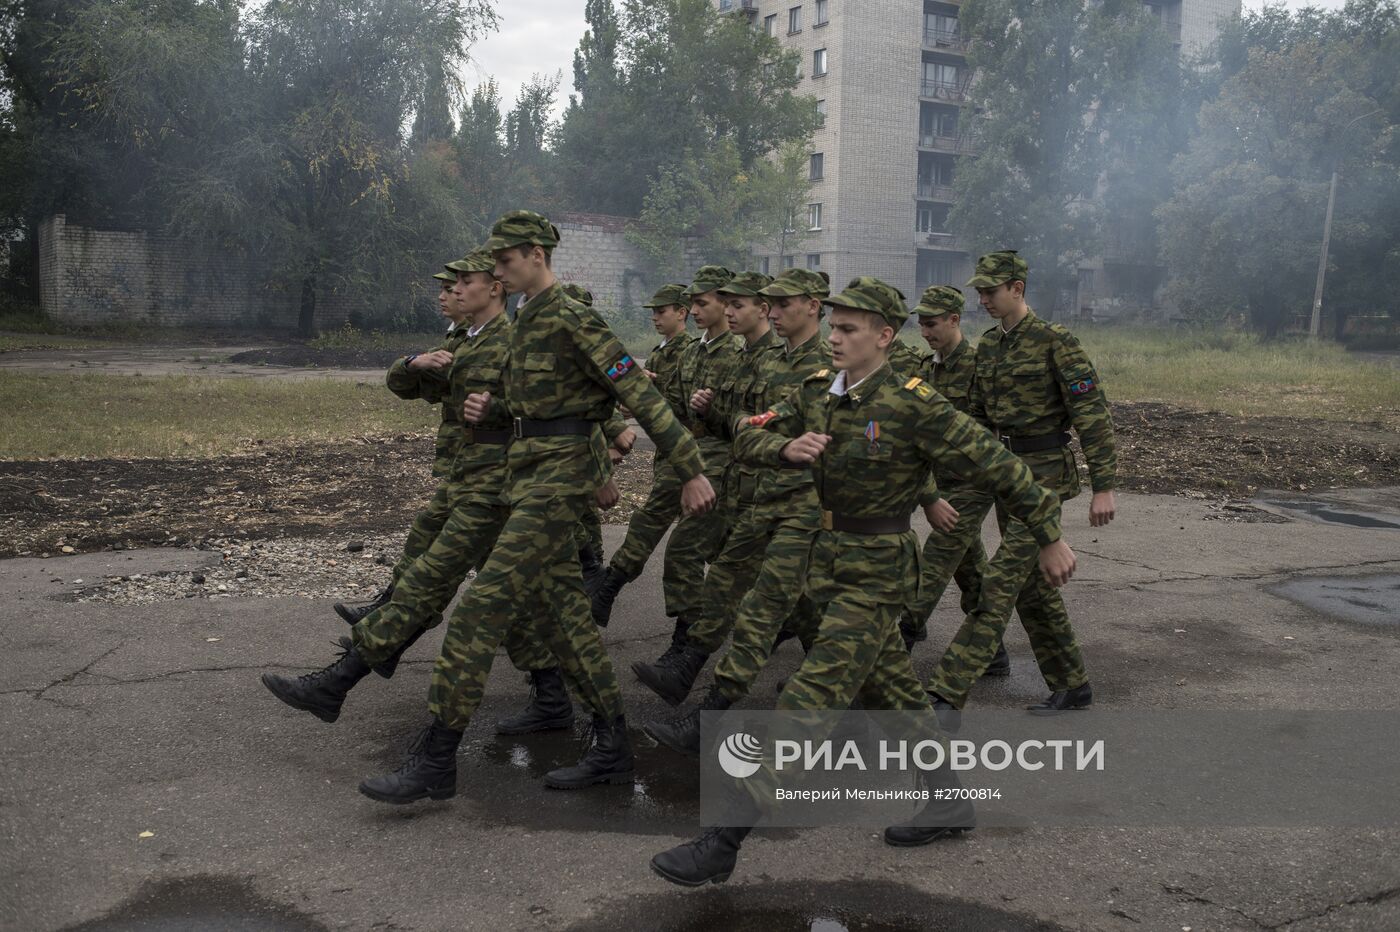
1035 444
895 524
788 464
555 427
477 435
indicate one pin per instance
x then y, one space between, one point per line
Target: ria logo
740 755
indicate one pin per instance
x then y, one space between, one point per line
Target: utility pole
1316 327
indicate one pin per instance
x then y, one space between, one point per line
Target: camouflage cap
998 268
746 284
579 293
871 294
796 282
478 260
667 295
938 300
523 228
709 278
447 278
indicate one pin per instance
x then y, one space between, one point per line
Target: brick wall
94 277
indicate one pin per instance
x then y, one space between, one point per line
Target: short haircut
527 248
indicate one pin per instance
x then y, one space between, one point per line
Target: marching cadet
426 375
648 524
957 554
870 437
1033 383
565 374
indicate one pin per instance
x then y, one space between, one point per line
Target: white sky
541 35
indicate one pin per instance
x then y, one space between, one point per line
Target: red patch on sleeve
758 420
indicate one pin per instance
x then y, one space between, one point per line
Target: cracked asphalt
149 781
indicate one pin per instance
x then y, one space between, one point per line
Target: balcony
932 191
957 145
943 90
739 6
945 40
936 239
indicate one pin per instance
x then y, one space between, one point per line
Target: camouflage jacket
952 378
479 366
665 362
1037 380
434 386
566 363
702 365
739 382
906 359
887 434
784 371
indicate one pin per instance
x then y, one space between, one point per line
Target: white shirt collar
839 386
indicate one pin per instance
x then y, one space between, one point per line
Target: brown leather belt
555 427
894 524
1035 444
477 435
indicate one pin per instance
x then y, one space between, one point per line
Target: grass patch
60 417
349 337
1239 374
44 341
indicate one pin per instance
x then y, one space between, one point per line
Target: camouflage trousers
649 523
695 541
588 532
427 586
958 555
427 524
1012 582
534 562
755 588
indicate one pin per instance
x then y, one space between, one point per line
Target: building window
814 216
822 13
794 20
818 63
726 5
942 81
789 261
814 171
763 265
821 113
814 260
923 221
770 24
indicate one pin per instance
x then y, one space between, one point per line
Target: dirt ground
369 486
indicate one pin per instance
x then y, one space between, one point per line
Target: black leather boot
1001 663
1064 700
939 818
708 859
354 614
678 631
429 772
606 594
591 562
683 732
321 693
949 716
672 677
910 632
387 668
608 760
549 707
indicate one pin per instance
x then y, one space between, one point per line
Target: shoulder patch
620 368
758 420
914 382
821 374
1082 387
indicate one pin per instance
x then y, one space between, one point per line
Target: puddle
1330 513
1366 600
842 906
200 904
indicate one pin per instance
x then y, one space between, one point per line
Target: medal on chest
872 434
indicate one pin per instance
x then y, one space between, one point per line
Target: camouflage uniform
886 435
649 523
433 386
567 370
1031 386
958 554
696 539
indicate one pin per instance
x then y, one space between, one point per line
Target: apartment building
891 78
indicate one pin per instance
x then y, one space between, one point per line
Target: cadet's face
477 292
707 309
669 319
938 331
859 339
1001 300
517 271
791 316
446 299
746 315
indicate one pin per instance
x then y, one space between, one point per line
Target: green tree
1061 89
1242 231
